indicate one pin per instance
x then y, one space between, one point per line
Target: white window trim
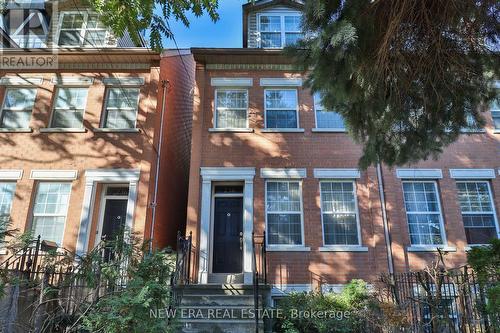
231 82
419 173
283 173
104 115
20 29
284 247
280 82
492 202
56 175
41 181
282 15
11 174
2 110
337 173
21 81
69 129
85 15
342 247
427 247
323 129
472 173
285 109
229 129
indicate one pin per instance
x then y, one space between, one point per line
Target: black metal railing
260 271
182 273
442 301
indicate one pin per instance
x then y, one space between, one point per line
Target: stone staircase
214 308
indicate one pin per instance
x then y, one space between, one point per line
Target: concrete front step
217 300
214 289
219 326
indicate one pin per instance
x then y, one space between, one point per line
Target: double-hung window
284 212
279 30
17 108
6 196
478 211
495 114
231 108
69 108
423 212
121 108
327 119
281 108
339 213
50 210
82 29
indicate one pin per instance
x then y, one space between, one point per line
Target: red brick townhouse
266 156
80 125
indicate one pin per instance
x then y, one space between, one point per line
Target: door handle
241 240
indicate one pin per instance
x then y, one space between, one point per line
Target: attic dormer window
279 30
83 29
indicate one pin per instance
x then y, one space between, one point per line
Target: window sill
471 246
116 130
63 130
293 248
234 130
282 130
431 248
343 248
16 130
496 131
328 130
3 252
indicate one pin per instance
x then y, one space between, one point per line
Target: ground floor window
284 212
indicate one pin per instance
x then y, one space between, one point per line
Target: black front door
228 242
115 214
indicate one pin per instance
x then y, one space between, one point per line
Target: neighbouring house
80 133
266 157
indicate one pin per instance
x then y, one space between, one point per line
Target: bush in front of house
317 312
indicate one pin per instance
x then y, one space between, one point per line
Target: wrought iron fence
443 301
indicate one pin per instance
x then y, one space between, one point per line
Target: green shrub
316 312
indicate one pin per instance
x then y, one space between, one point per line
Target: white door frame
221 174
102 208
92 178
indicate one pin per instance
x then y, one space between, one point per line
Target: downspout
164 84
381 192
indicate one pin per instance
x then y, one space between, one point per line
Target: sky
227 32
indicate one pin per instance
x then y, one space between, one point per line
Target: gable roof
263 4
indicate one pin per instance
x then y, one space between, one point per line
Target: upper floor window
327 119
28 28
69 108
495 114
340 213
121 108
478 211
17 107
231 108
423 212
82 29
279 30
50 210
281 108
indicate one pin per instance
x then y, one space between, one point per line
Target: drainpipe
381 192
164 84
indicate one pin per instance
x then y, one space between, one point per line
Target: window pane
20 99
496 119
281 99
270 23
292 23
292 38
50 209
70 38
16 119
231 119
340 229
118 119
95 38
423 213
121 108
68 119
284 213
232 99
281 119
71 98
270 39
329 119
72 21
